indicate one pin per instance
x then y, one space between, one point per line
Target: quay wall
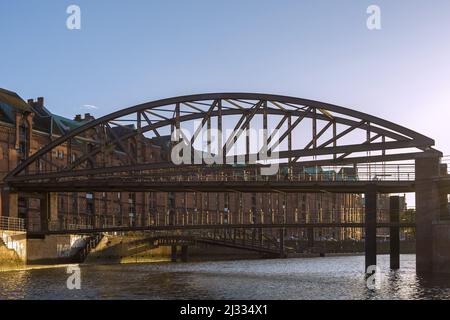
53 248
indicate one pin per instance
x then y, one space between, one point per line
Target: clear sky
129 52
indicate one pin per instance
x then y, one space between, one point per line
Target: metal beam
377 125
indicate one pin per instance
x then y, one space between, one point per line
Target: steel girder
114 145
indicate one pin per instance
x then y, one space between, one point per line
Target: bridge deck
113 185
220 227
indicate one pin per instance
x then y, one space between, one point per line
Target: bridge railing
60 225
370 172
191 217
12 224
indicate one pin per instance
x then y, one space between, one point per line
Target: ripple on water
312 278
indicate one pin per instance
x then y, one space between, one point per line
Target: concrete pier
174 253
371 228
184 253
394 232
310 236
427 167
281 237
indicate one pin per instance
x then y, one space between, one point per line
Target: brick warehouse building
25 127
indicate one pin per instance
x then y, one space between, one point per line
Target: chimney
88 117
78 118
30 102
40 102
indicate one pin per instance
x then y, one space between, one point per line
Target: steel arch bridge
108 153
317 147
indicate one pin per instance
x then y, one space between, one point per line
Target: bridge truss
111 153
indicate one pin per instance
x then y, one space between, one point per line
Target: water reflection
316 278
14 284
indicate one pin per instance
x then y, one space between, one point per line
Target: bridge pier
281 237
370 239
44 208
174 253
310 236
432 243
184 253
394 232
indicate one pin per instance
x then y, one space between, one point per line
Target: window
23 129
74 202
23 147
60 154
39 165
90 203
152 200
227 200
131 203
90 208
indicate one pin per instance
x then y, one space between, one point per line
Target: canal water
306 278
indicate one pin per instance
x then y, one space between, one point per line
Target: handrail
12 224
362 172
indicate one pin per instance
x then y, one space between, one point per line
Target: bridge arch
308 133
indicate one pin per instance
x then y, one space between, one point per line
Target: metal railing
12 224
185 217
372 172
62 225
222 173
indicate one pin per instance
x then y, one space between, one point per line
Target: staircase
83 252
267 245
241 245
